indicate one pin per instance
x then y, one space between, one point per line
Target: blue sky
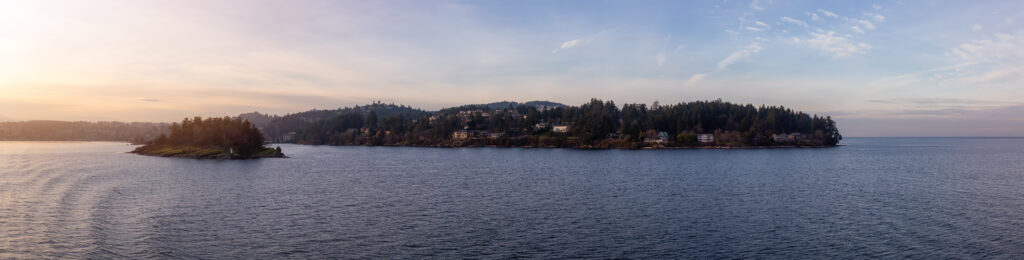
883 68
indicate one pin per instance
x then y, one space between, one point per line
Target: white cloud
815 17
579 42
661 58
1000 47
836 45
857 29
751 28
739 55
867 24
827 13
876 6
962 54
567 44
754 5
876 17
997 75
696 78
793 21
976 27
762 24
996 60
906 79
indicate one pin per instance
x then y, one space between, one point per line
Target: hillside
596 124
284 128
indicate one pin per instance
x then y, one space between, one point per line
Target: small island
212 138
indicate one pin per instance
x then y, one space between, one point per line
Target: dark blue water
874 198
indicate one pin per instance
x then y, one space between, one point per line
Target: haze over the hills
903 68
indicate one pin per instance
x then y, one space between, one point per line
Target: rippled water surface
874 198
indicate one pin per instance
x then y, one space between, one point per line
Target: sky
879 68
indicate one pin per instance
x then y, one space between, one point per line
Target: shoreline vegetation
213 138
596 124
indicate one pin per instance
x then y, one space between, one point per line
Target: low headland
213 138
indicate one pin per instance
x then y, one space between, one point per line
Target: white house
706 138
561 129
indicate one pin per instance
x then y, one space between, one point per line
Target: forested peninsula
595 124
212 138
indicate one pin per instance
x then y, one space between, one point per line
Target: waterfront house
705 138
782 138
461 135
615 136
561 129
656 137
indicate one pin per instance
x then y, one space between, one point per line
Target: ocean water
926 198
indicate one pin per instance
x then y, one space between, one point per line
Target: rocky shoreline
203 153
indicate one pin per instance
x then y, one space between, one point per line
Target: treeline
594 124
81 131
227 134
280 129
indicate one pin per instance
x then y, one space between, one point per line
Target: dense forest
211 138
81 131
596 124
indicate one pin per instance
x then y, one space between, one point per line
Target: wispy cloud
754 5
150 100
877 17
876 7
739 55
867 24
1001 46
579 42
827 13
762 24
941 101
838 46
567 44
1012 74
909 78
661 58
695 78
793 21
857 29
976 27
815 17
755 29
